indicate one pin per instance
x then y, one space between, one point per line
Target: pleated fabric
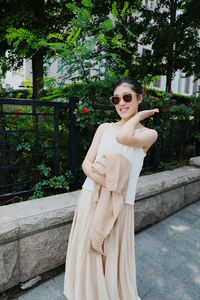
88 274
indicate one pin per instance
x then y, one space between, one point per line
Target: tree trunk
169 76
173 7
37 59
38 71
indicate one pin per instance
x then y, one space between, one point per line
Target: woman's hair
134 84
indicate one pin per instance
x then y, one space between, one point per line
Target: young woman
91 276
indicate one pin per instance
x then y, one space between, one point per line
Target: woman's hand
100 179
146 113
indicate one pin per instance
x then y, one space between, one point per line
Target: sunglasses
126 97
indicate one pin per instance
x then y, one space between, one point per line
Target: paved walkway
167 261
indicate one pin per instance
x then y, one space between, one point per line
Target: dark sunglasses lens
127 97
115 100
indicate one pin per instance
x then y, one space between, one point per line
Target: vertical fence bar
155 160
4 142
36 143
197 130
73 140
56 140
170 149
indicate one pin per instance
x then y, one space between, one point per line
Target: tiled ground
167 261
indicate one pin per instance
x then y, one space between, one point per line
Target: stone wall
34 234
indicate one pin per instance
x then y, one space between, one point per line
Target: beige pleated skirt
92 276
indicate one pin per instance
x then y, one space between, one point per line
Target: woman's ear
140 98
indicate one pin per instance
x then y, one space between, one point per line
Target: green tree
89 52
173 38
23 25
191 58
126 15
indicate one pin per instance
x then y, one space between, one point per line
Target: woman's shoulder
103 127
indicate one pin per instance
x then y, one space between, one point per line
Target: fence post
156 122
73 140
197 130
56 140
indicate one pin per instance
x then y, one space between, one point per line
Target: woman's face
126 110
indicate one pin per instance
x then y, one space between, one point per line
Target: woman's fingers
151 111
147 113
154 110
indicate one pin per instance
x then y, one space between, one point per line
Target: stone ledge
25 218
34 234
195 161
164 181
9 227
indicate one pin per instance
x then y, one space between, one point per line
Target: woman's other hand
100 179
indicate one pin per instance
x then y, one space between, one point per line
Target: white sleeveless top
135 155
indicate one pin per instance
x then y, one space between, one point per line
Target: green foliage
114 9
19 36
87 3
69 31
24 27
107 25
25 43
173 38
123 12
86 56
165 166
9 92
27 84
84 115
6 92
56 182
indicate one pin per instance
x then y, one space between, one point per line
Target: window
80 71
179 82
145 52
187 85
46 65
195 85
157 83
59 65
151 5
68 67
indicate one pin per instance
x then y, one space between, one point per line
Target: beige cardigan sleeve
108 201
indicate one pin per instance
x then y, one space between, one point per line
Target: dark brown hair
134 84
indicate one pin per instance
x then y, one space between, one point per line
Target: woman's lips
124 109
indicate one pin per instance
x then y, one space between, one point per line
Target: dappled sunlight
161 282
180 228
195 271
164 249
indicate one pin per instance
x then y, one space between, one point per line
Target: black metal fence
8 144
173 140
